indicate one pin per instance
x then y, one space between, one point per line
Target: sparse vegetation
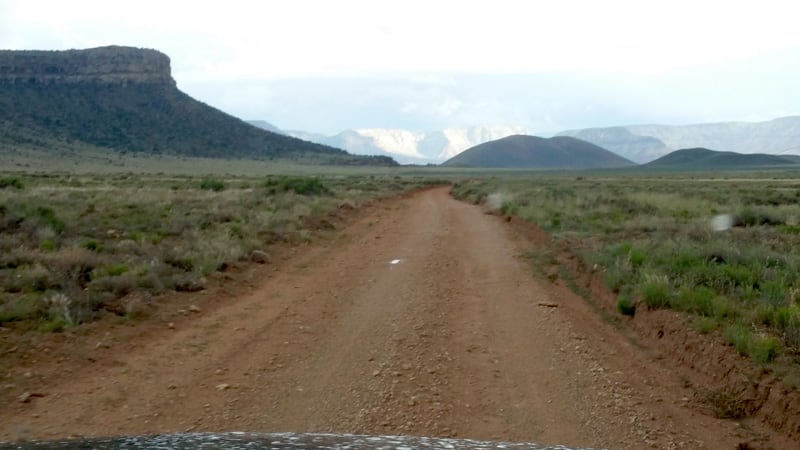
10 183
652 241
210 184
297 184
726 403
625 305
72 246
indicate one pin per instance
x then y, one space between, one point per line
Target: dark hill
705 159
125 99
519 151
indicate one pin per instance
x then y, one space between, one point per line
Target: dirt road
421 318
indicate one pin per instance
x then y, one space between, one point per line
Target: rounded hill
705 159
521 151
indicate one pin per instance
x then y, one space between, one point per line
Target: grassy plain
72 245
651 236
76 235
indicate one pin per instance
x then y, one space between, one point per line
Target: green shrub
298 185
621 249
760 348
762 314
721 307
625 305
116 270
47 245
656 292
739 336
752 217
614 279
786 317
48 216
11 182
31 278
237 231
21 308
555 221
118 285
210 184
787 320
774 292
93 245
739 275
54 325
789 229
184 263
763 349
748 217
705 325
509 208
684 260
701 300
637 257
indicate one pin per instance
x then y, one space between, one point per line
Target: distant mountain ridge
521 151
690 159
644 143
125 99
638 143
408 146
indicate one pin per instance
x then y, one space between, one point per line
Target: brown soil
723 382
458 338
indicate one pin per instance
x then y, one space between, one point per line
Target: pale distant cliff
113 64
405 145
645 143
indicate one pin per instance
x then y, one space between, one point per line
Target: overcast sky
324 66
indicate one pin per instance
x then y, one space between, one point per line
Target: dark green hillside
792 158
705 159
519 151
124 101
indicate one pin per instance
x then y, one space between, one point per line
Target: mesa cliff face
125 99
113 64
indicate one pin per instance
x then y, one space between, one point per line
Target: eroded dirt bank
421 318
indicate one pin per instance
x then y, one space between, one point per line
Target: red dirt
706 364
459 338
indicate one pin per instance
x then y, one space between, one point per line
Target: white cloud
318 64
409 107
448 107
245 39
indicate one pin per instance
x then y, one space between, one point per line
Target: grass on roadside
73 246
653 242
